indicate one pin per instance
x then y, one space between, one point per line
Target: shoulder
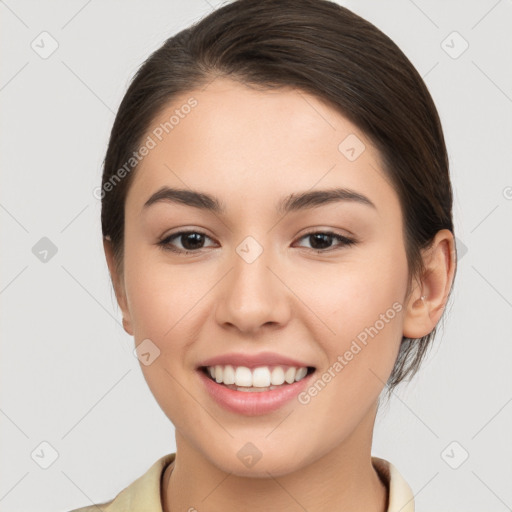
401 497
141 495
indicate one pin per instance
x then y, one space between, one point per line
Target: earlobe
417 320
428 299
117 283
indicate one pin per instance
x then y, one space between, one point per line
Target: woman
277 222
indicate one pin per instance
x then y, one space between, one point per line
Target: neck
343 480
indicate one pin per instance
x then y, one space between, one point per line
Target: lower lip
253 403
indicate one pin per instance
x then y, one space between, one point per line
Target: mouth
258 379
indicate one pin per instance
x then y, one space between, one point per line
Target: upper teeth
260 377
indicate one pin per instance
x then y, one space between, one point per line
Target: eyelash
166 245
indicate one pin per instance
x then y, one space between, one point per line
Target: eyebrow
291 203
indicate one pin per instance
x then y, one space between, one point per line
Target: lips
253 360
252 403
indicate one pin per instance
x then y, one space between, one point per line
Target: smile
252 392
262 378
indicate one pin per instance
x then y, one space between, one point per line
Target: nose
253 295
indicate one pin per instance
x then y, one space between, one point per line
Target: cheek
364 313
355 300
367 325
158 295
161 308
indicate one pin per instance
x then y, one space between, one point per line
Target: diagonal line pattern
493 287
485 15
485 425
111 388
197 401
286 417
215 77
14 485
93 504
87 87
14 424
13 13
304 98
393 393
286 491
216 487
76 14
425 75
74 218
509 508
14 76
13 217
92 296
413 498
12 280
424 14
383 175
492 211
492 81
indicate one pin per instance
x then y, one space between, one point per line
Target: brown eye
191 242
321 240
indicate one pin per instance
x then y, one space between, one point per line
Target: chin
250 462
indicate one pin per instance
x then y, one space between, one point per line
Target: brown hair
322 48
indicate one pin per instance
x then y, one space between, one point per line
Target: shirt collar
401 497
144 494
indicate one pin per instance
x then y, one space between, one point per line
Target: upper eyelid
185 232
312 231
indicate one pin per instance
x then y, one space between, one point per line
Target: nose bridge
252 294
252 278
251 264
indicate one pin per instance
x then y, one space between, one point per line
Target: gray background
68 374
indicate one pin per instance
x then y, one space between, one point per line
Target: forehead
246 144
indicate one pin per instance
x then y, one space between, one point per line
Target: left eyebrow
293 202
315 198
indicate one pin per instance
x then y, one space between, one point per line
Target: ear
118 283
422 315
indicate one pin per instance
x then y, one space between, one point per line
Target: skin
259 146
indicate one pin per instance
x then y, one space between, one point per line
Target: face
320 284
